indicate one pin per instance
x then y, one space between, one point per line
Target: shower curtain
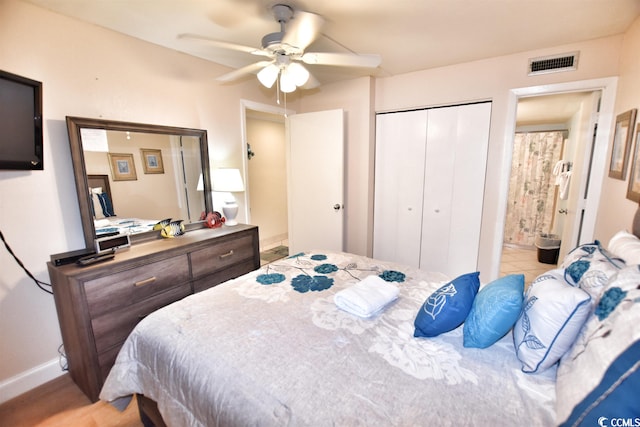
532 189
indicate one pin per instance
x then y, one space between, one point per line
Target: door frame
263 108
608 86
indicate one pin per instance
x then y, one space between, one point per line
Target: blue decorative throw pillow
106 205
494 311
590 266
446 308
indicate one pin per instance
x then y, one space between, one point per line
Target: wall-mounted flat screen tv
20 123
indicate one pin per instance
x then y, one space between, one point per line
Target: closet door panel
438 189
399 176
457 143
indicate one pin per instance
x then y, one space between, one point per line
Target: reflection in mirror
129 176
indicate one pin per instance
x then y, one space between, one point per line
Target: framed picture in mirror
633 189
152 160
122 167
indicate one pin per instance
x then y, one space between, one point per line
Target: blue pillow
446 308
105 204
494 312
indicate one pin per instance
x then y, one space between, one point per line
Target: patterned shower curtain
532 189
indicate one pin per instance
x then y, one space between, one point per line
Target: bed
273 348
105 220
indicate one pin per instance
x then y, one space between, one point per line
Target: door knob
563 211
336 207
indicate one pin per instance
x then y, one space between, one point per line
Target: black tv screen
20 123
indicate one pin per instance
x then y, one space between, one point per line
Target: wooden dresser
99 305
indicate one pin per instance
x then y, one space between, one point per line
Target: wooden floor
60 403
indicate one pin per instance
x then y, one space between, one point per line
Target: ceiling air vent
553 63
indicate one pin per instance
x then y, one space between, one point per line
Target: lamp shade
287 82
268 75
200 185
227 180
299 73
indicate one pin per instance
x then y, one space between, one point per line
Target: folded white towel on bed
367 297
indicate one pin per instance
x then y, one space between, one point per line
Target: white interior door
576 204
456 159
399 174
316 180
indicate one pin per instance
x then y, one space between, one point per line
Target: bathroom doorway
553 134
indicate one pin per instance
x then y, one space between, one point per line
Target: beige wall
616 211
267 183
146 197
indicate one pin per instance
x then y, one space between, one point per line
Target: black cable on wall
39 283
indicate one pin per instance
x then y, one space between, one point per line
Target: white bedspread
114 224
248 353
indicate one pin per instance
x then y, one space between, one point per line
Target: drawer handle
228 254
144 282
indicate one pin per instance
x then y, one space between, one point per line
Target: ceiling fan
285 52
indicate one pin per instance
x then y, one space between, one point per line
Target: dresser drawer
221 255
232 272
106 360
111 292
114 327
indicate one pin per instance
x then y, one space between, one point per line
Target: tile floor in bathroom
516 260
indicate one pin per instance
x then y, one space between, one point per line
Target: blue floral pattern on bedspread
305 282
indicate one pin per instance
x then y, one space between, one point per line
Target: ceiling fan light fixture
287 81
268 75
298 73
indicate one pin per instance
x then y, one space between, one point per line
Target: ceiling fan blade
312 83
224 45
303 29
240 72
342 59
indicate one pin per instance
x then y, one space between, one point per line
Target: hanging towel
366 298
565 179
557 169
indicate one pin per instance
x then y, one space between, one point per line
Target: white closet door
399 176
456 158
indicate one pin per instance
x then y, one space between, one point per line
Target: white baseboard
273 241
29 379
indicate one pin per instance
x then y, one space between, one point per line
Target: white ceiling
410 35
549 109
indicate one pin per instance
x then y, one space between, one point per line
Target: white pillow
552 316
626 246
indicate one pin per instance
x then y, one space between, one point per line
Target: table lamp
228 180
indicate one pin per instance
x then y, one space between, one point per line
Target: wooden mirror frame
75 124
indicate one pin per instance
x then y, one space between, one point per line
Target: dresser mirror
130 176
